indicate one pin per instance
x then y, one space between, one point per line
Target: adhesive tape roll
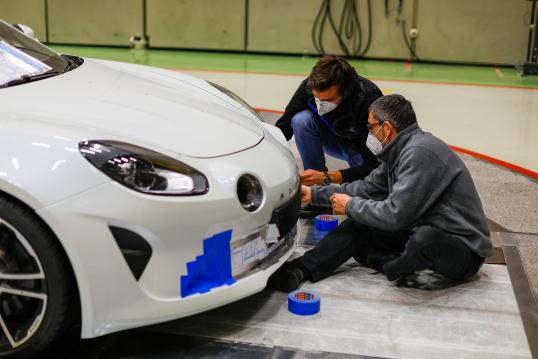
303 302
326 222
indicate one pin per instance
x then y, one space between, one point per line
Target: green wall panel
27 12
199 24
95 22
283 26
286 26
490 31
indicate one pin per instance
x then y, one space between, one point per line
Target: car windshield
23 59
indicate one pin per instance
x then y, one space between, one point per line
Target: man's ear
391 130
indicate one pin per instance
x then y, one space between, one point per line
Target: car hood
140 104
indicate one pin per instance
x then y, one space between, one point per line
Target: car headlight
143 170
236 98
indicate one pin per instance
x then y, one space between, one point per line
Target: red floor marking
486 158
498 71
497 162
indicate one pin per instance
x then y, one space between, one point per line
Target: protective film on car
15 64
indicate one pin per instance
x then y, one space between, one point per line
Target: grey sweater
420 182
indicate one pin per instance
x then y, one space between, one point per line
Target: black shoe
394 274
311 211
287 278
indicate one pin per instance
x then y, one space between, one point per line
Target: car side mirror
26 30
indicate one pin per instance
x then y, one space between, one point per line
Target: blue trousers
314 139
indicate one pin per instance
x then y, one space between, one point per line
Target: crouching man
418 210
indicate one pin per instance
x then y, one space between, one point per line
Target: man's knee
302 121
424 236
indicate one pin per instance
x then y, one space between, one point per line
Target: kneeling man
418 210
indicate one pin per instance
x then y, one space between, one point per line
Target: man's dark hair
332 70
395 109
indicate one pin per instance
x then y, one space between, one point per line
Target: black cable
341 42
369 41
407 43
317 44
349 31
534 29
348 22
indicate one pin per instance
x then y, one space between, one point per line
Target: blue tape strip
210 270
326 222
303 302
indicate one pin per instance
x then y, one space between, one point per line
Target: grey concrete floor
364 314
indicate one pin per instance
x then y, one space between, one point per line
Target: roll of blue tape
304 302
326 222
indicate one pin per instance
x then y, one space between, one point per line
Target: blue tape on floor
304 302
326 222
210 270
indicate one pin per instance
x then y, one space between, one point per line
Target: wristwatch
326 179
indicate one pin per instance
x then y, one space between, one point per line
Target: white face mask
324 106
374 144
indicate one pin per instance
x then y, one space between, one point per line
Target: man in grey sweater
418 210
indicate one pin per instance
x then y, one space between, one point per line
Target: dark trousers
424 247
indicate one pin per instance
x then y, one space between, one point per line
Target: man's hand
306 194
311 177
339 202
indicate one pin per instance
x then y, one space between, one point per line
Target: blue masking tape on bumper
303 302
326 222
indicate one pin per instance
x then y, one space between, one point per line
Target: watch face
326 179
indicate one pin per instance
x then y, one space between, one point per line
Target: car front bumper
177 229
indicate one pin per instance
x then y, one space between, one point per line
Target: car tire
36 283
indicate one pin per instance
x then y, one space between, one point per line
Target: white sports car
129 195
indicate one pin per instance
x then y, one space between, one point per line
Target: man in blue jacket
328 114
418 210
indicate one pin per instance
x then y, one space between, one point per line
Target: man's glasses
369 126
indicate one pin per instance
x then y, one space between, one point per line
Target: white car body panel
155 107
41 125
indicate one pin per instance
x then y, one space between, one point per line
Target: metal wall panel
490 31
95 22
197 24
27 12
286 26
387 40
282 25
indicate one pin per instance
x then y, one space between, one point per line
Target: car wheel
35 281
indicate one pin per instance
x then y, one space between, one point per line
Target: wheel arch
77 308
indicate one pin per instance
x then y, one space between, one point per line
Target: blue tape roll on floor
326 222
303 302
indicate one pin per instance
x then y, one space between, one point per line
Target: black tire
49 261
